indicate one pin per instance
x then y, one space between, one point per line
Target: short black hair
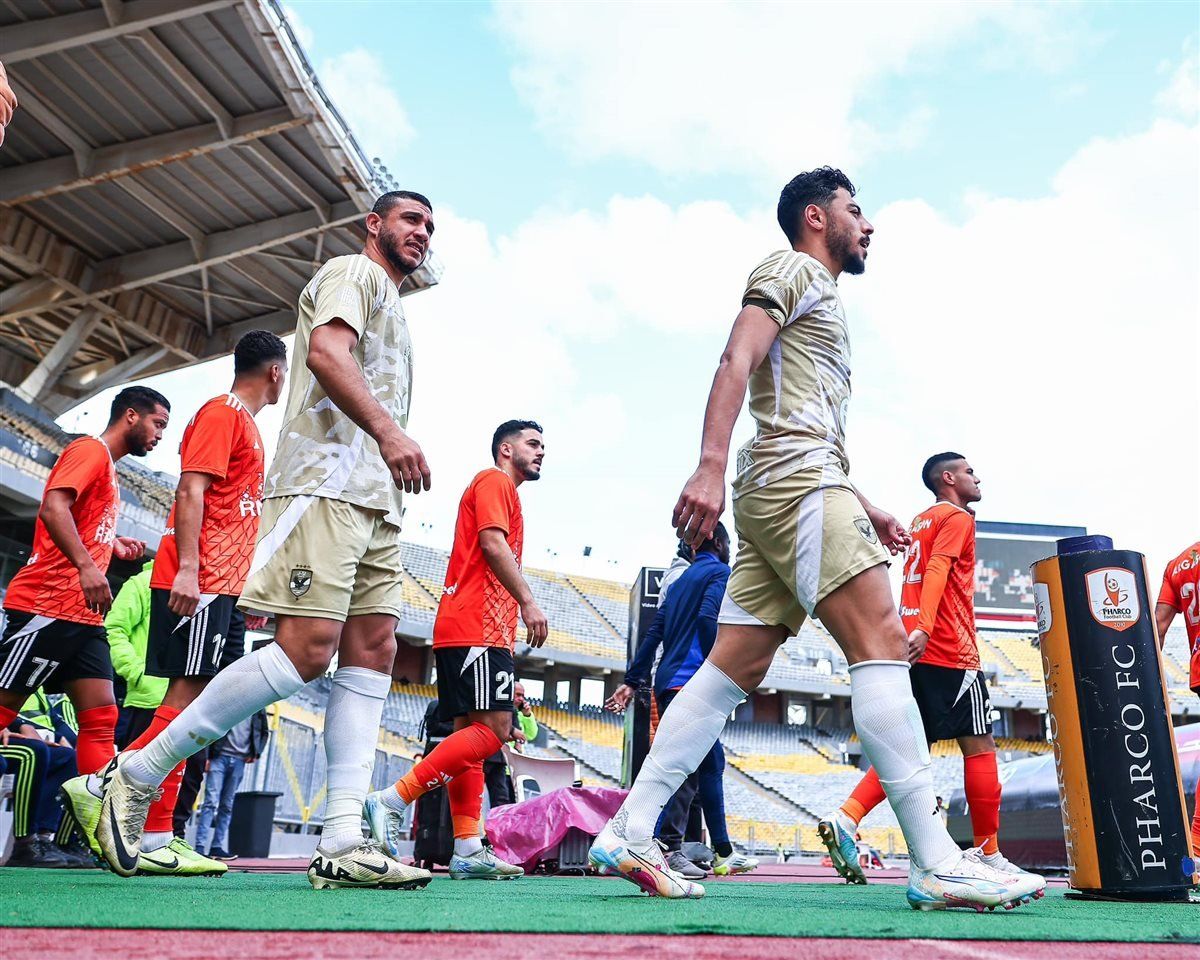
719 535
255 349
816 186
142 400
393 197
684 551
931 473
510 428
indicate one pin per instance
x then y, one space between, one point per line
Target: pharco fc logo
1112 597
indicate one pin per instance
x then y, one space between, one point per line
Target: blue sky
998 122
604 178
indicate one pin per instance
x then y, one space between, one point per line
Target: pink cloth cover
521 833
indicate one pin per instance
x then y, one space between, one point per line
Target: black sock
723 849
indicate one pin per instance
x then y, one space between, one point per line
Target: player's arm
1164 616
189 517
703 499
493 543
710 608
331 360
892 534
55 514
1169 604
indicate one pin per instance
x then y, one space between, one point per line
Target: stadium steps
732 769
611 627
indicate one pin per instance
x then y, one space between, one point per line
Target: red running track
37 943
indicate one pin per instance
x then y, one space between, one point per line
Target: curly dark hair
816 186
256 348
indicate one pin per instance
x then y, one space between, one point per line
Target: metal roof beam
35 250
44 178
299 184
36 38
55 362
135 270
189 81
279 322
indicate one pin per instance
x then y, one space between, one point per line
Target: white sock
467 847
156 841
352 722
686 732
392 800
92 783
237 692
893 739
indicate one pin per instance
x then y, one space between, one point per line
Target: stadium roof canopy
173 175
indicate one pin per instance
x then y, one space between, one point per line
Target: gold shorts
319 557
799 539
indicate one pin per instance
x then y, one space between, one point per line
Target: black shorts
953 703
37 651
198 646
473 678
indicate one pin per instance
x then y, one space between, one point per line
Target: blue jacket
685 626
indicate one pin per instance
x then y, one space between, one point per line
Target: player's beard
845 250
527 470
392 249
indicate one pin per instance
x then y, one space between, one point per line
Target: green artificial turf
240 901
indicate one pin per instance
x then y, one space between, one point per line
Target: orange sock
162 811
865 797
981 779
449 759
466 801
94 745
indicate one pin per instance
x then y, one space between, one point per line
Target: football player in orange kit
1180 593
473 638
937 608
54 635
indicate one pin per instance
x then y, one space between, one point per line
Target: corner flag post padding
1124 816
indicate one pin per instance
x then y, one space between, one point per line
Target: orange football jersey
48 584
476 610
1181 591
222 441
948 531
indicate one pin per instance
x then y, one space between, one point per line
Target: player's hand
892 535
8 103
536 626
699 506
406 462
255 623
518 736
5 733
128 548
918 640
185 594
620 699
97 595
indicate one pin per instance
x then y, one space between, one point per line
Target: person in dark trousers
40 765
227 762
685 627
495 768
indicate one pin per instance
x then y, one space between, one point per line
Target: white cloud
1181 96
301 29
358 84
1053 340
758 88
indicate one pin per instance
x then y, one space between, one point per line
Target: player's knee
311 659
500 723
